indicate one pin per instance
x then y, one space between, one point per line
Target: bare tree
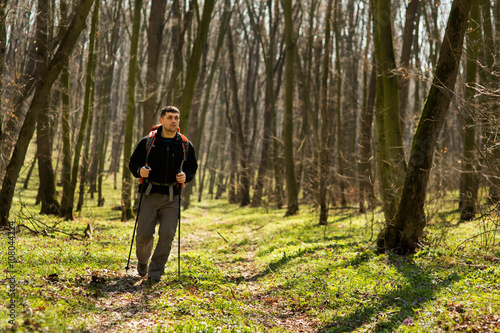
469 180
42 88
390 157
129 123
155 38
403 233
47 189
324 160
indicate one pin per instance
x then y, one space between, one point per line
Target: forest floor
251 270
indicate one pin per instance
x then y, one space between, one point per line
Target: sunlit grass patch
254 270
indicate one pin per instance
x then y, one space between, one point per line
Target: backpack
152 137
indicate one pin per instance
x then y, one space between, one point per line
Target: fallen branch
222 237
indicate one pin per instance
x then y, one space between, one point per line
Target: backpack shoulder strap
151 140
185 146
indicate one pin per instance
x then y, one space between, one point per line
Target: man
164 160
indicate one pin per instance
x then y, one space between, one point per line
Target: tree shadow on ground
403 301
285 258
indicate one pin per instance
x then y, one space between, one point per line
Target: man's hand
181 177
144 172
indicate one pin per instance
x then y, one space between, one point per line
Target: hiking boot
150 281
142 269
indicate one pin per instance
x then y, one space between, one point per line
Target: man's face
170 121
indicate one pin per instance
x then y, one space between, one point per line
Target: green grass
253 270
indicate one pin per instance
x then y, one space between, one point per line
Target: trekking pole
135 227
179 226
179 233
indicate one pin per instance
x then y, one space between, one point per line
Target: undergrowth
251 270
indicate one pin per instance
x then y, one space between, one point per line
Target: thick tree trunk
43 87
390 157
47 185
291 181
404 232
129 122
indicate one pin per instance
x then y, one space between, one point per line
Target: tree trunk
67 211
469 180
129 123
193 68
491 81
324 160
291 182
404 232
3 53
155 37
365 142
106 93
13 111
43 87
404 64
269 100
244 181
65 117
47 185
390 157
340 123
178 44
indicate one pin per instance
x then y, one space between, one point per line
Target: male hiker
164 160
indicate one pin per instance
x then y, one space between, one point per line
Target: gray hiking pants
156 208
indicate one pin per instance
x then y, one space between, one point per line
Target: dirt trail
125 304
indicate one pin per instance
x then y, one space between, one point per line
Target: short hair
171 109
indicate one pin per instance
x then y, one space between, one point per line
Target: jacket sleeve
191 164
138 158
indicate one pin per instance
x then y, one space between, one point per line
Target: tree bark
491 81
365 170
403 233
469 180
67 211
390 157
269 100
65 116
291 181
155 37
237 119
404 63
340 123
129 122
43 87
47 185
324 160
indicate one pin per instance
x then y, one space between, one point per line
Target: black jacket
165 160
